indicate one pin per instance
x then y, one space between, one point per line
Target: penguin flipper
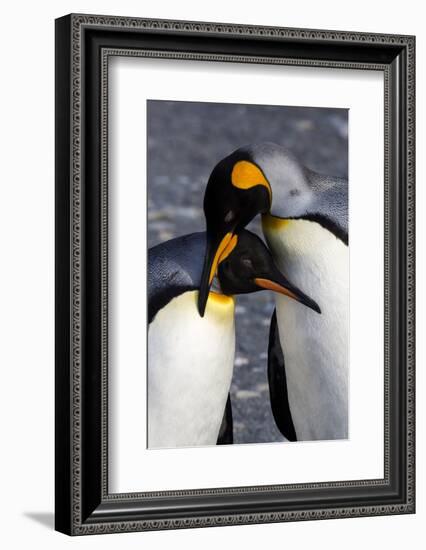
278 383
226 432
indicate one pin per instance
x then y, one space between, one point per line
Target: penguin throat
215 287
216 296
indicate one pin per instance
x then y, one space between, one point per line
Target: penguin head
241 186
249 267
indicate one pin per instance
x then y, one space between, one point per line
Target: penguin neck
215 286
220 304
217 296
305 239
312 257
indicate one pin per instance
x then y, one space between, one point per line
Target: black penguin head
236 192
249 267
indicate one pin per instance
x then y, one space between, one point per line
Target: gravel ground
185 141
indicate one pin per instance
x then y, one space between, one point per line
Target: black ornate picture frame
83 45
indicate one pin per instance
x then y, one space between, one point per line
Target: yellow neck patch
220 299
272 223
245 175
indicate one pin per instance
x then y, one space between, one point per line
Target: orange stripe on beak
226 246
270 285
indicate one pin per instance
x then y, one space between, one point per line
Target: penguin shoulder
174 267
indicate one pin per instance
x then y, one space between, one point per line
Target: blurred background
185 141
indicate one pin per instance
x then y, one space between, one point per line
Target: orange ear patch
245 175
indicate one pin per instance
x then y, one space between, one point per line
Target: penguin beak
216 252
278 283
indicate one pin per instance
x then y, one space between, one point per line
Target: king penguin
305 222
191 359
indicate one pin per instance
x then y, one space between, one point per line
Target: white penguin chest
190 364
315 346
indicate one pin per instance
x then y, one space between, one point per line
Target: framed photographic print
234 274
